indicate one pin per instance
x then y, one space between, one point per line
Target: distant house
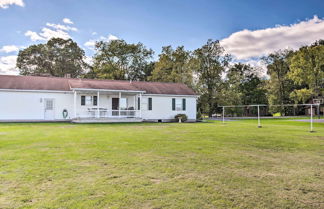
33 98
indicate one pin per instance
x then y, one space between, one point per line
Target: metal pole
311 125
119 104
223 115
140 106
259 121
135 97
74 104
98 104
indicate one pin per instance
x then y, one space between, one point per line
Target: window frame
173 104
150 104
184 104
95 100
85 101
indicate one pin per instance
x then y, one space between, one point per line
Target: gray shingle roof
67 84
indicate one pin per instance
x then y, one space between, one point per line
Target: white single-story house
35 98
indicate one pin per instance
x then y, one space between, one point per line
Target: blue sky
240 24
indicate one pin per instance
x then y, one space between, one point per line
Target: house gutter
107 90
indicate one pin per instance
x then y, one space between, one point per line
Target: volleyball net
303 112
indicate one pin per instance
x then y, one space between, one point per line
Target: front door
49 109
115 106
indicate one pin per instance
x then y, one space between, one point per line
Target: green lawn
202 165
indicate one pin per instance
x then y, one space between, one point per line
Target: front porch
107 120
103 105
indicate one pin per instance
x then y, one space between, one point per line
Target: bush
199 116
182 116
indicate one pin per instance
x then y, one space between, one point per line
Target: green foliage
279 86
243 85
173 66
199 115
301 95
209 63
182 117
57 57
119 60
307 68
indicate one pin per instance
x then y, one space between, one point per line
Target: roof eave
107 90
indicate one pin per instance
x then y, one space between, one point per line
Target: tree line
292 76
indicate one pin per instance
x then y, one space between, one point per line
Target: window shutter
82 100
138 103
173 104
95 100
149 103
183 104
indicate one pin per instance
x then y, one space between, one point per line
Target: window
123 103
149 103
89 100
138 103
82 100
178 104
183 104
95 100
173 104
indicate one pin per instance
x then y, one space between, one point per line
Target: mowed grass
201 165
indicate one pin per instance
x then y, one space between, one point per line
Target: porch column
140 105
119 104
74 104
135 97
98 105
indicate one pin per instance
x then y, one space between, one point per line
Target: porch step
107 120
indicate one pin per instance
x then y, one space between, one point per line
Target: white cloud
112 37
94 33
49 33
9 48
259 67
92 42
34 36
51 30
67 21
4 4
61 27
246 44
8 65
88 60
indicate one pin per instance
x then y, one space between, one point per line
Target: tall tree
279 85
307 70
148 70
57 57
244 85
121 61
173 66
210 62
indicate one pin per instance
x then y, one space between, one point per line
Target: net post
311 121
223 114
259 121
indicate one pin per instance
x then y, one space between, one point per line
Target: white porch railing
105 113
